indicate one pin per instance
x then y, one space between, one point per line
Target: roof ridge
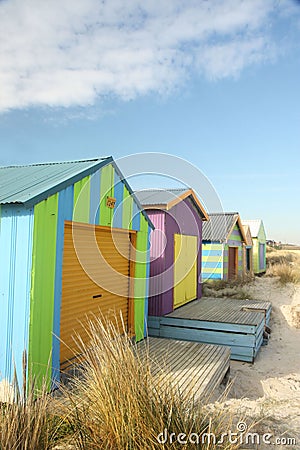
53 163
222 213
162 189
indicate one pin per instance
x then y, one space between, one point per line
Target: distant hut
175 247
259 244
248 251
222 246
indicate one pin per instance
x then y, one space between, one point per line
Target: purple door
261 256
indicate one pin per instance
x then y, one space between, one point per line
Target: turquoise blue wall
15 272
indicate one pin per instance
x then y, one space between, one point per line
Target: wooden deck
238 324
195 369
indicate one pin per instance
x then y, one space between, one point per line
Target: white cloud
70 53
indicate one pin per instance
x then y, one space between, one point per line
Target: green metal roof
33 183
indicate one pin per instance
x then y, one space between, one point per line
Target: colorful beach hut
73 244
222 246
258 234
248 251
175 249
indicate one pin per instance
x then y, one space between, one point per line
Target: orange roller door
95 281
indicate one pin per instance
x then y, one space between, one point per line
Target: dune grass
285 265
236 288
111 401
116 403
27 420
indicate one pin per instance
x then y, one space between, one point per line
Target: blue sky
215 83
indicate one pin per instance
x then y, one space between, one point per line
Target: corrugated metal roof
219 225
32 183
168 198
160 197
254 225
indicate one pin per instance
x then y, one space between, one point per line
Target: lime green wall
42 290
81 208
107 190
140 284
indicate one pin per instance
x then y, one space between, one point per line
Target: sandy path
269 389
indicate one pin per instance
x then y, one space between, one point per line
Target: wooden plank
153 322
195 369
153 332
211 325
206 336
260 328
220 369
259 344
242 358
222 310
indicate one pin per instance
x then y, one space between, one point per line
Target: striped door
185 269
95 281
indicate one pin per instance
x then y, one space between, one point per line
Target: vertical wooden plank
127 209
94 198
15 274
65 212
42 290
146 303
81 211
106 190
118 209
131 313
135 225
142 261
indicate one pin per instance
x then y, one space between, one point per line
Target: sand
269 389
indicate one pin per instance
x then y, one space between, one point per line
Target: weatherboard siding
16 256
212 260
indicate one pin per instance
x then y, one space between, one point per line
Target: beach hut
73 244
248 251
259 244
222 246
175 250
